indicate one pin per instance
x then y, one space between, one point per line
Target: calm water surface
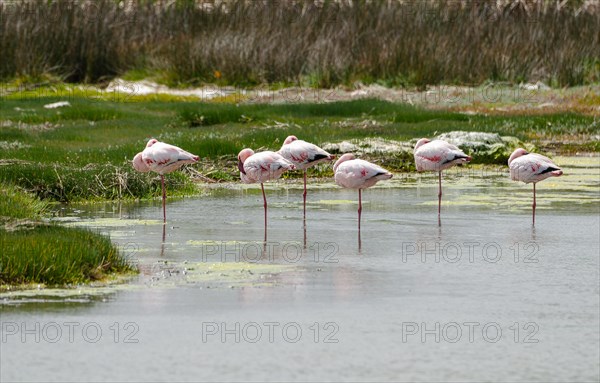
485 297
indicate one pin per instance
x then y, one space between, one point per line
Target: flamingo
303 155
438 155
162 158
261 167
531 167
358 174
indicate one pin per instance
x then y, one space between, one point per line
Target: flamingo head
516 154
422 142
151 142
242 157
290 139
139 164
345 157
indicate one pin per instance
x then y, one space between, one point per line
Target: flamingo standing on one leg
438 155
162 158
531 167
358 174
261 167
303 155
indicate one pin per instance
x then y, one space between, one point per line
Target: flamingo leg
305 235
534 204
162 244
440 199
164 198
359 241
265 205
359 206
304 195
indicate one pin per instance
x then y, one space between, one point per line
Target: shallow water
484 297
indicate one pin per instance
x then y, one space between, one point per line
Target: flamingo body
354 173
358 174
303 154
531 168
162 158
261 167
437 155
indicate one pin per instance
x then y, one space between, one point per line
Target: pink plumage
435 156
303 155
261 167
531 167
358 174
354 173
162 158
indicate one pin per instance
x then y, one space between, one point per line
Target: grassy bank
315 43
83 151
34 252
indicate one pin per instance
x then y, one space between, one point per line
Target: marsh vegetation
313 43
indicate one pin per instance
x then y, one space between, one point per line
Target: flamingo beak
241 166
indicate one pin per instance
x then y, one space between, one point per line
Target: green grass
56 256
35 252
84 151
14 204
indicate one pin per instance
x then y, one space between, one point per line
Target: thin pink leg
304 194
305 235
265 205
534 204
162 245
359 206
164 198
440 200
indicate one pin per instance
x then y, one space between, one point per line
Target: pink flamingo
162 158
358 174
303 155
261 167
531 167
438 155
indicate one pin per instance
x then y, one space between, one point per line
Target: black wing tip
549 169
319 157
468 158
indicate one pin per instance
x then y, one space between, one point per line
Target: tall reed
320 43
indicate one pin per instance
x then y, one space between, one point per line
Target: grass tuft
35 252
55 255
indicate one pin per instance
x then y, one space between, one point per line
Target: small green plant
55 255
34 251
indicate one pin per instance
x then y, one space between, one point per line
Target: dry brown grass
319 43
